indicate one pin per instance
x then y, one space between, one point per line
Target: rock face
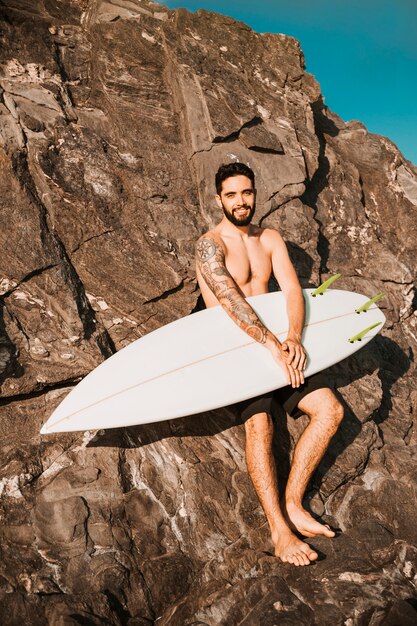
114 116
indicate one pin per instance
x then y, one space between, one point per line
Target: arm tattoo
211 263
206 249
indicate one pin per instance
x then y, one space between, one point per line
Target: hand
295 353
294 376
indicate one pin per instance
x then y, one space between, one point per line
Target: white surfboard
205 361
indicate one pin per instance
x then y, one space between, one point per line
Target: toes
309 552
297 553
292 558
321 529
303 558
299 559
328 531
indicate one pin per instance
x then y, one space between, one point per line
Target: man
235 260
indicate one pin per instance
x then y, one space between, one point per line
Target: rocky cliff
114 116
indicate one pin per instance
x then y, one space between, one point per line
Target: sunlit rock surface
114 117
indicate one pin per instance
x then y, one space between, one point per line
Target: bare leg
326 413
261 467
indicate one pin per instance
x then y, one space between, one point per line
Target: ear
218 200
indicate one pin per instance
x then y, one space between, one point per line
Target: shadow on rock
382 354
204 424
323 126
9 364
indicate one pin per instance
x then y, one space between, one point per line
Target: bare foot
290 549
298 519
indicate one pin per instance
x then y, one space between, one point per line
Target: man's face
237 200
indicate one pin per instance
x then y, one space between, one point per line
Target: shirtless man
234 260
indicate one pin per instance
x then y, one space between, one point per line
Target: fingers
296 377
290 377
299 377
303 361
297 357
300 358
297 369
300 367
294 354
290 352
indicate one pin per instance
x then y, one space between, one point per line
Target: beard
239 221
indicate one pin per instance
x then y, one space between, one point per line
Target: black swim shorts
288 397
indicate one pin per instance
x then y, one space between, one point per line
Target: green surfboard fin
362 334
365 307
324 287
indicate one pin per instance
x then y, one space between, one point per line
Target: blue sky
364 55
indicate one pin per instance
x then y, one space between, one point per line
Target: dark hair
232 169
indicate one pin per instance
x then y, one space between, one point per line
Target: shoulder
208 245
271 238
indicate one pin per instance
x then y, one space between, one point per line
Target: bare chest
248 264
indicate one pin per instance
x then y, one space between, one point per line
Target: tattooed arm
210 260
211 263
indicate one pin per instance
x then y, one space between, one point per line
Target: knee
259 424
337 413
331 412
